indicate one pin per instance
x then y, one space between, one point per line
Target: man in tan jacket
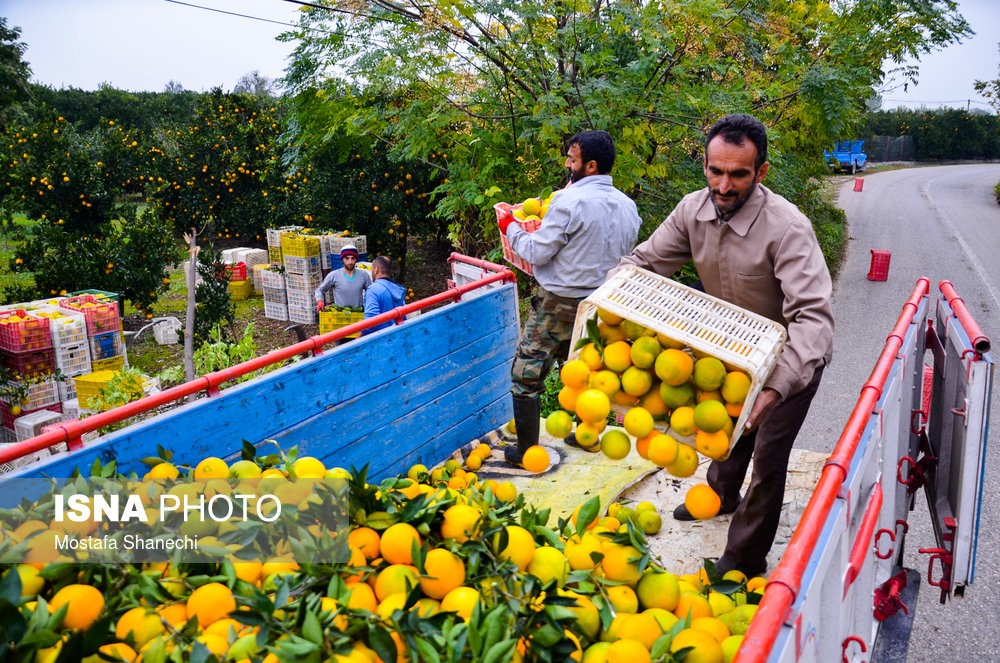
754 249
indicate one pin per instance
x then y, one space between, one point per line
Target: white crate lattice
275 311
739 338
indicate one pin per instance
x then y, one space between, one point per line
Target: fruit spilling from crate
528 215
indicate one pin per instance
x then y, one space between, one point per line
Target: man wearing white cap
348 284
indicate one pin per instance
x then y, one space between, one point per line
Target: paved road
942 223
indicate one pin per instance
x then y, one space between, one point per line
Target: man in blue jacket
383 294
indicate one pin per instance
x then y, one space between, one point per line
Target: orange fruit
574 373
366 540
535 459
709 373
658 590
397 541
641 627
673 367
618 356
621 564
559 424
682 421
362 597
702 502
638 422
686 462
627 651
588 436
710 416
210 603
692 603
520 547
85 605
676 396
644 351
607 381
591 356
460 522
443 572
567 398
735 387
713 445
461 600
615 444
706 648
662 449
141 624
396 579
593 406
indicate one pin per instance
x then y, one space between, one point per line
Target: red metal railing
977 338
785 582
70 432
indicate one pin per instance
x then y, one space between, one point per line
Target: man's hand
505 221
765 400
319 306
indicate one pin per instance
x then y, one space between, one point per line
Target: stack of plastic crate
104 335
255 259
274 242
337 242
302 275
275 297
72 349
26 347
240 286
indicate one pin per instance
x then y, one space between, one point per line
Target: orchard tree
991 89
224 174
14 71
486 93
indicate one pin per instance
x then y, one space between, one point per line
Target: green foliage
996 192
990 89
218 354
124 387
14 71
487 93
148 112
944 134
549 400
213 308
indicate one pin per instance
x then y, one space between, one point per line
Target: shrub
996 192
212 294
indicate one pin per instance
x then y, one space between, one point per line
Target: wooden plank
264 407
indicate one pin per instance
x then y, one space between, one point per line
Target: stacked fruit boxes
104 330
26 346
274 242
337 242
256 260
72 348
275 297
302 275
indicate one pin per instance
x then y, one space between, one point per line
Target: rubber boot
526 419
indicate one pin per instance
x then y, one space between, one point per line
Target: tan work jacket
765 259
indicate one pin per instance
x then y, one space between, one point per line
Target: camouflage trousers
545 338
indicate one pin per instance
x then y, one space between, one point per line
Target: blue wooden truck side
411 393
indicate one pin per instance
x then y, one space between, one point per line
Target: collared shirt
588 228
765 259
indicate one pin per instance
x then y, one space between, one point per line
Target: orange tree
224 173
83 238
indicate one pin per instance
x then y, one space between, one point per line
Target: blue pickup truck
847 156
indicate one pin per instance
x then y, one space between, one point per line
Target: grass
7 248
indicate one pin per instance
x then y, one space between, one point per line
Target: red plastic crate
28 333
32 363
101 316
237 271
504 210
8 419
879 270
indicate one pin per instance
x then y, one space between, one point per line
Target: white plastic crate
106 346
336 242
73 360
71 407
271 279
31 424
67 392
256 277
300 299
274 234
303 282
255 257
276 296
740 339
165 330
68 330
41 394
304 266
229 255
275 311
305 316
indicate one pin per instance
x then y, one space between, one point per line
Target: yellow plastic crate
109 364
240 289
274 254
300 246
739 338
89 386
331 320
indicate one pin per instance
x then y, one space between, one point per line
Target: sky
142 44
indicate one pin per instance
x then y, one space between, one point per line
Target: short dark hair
597 146
384 265
737 128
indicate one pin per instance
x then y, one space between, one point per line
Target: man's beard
733 209
575 176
